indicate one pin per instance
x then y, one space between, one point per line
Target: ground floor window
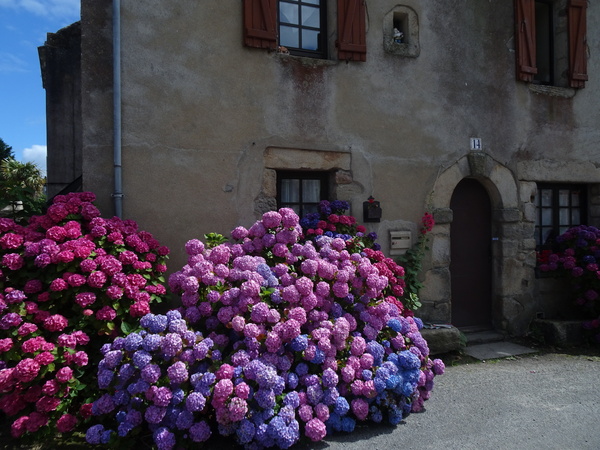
302 191
558 208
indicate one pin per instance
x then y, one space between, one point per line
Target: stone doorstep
483 337
481 344
444 339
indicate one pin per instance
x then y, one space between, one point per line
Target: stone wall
207 123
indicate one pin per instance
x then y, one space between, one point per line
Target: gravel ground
545 401
550 401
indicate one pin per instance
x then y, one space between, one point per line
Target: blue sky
24 25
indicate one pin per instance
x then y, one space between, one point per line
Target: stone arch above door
497 179
512 244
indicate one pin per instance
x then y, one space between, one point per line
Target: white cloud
37 155
67 9
8 4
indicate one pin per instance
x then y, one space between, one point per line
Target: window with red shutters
260 23
525 39
301 27
351 43
550 42
577 43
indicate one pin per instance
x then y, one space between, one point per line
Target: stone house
197 116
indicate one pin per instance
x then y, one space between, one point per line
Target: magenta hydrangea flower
66 423
106 313
55 322
315 429
64 374
271 219
26 370
13 261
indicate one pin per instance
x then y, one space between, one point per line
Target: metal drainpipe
118 193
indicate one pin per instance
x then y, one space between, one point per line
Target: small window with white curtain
558 208
302 191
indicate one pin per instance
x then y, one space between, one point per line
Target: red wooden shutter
577 43
525 39
260 23
352 34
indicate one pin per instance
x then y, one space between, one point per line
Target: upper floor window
547 44
302 191
551 42
300 26
558 208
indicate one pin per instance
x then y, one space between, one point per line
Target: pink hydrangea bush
68 281
577 259
278 338
331 221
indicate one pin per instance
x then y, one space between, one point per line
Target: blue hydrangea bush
278 338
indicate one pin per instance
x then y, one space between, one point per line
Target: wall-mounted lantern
371 210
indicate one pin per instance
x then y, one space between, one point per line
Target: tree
5 150
21 189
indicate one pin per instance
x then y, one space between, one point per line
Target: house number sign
476 144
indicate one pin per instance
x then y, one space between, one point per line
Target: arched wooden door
471 255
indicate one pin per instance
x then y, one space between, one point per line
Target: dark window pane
311 17
546 196
546 233
289 13
543 42
564 216
546 216
563 197
310 40
290 191
289 37
311 191
575 198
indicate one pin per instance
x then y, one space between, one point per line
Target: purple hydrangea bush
278 338
69 280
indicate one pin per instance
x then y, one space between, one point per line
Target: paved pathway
535 402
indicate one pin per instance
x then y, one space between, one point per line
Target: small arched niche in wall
401 32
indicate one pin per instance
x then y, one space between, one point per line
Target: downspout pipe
118 188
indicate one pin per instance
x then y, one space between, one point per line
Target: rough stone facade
207 122
60 60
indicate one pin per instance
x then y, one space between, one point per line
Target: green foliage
214 239
21 189
412 261
5 150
